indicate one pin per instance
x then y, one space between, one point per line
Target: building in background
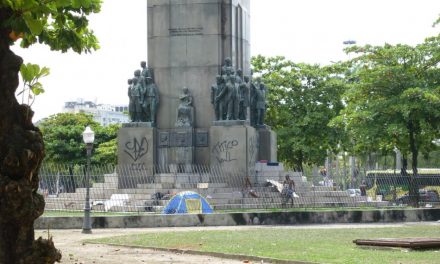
104 114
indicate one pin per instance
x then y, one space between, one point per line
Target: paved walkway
74 251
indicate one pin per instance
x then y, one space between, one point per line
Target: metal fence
149 189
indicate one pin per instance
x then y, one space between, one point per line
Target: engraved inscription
181 139
186 31
164 139
202 139
222 150
136 149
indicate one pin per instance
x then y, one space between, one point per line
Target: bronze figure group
144 96
233 93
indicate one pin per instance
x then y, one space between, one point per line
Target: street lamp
88 137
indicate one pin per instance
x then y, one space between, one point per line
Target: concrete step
105 185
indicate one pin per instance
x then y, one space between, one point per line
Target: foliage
302 100
106 152
60 24
62 134
395 99
30 74
316 245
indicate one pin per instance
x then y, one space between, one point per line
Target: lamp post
88 137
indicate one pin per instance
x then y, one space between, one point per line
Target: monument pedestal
267 144
136 154
233 149
176 149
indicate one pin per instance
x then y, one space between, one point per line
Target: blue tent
188 202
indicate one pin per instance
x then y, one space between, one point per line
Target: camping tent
187 202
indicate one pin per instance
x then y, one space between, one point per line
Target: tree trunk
413 186
21 153
298 163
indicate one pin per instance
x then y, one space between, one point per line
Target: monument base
136 154
233 149
176 149
231 123
267 144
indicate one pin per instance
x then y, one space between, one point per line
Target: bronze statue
243 103
227 96
135 96
260 102
131 109
151 100
215 91
185 112
145 70
227 66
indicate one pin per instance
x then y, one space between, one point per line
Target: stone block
136 155
233 148
268 145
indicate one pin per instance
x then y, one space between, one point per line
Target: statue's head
143 64
240 72
185 90
137 73
218 78
130 81
246 78
228 61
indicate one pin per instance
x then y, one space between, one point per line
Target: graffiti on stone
138 166
252 151
137 148
222 150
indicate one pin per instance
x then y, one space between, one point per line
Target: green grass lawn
331 245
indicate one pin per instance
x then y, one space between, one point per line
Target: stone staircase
219 195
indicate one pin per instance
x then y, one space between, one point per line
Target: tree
62 25
395 101
62 135
302 100
106 152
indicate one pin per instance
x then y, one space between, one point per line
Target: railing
146 190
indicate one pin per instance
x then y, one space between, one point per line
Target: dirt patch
75 251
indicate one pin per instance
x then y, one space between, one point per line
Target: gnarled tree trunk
21 153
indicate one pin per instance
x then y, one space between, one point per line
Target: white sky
309 31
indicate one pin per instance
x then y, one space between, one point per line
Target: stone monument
203 45
187 44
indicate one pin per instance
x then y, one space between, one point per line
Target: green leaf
35 26
26 72
86 3
63 3
37 88
76 3
43 72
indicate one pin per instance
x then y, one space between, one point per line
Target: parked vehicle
425 196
